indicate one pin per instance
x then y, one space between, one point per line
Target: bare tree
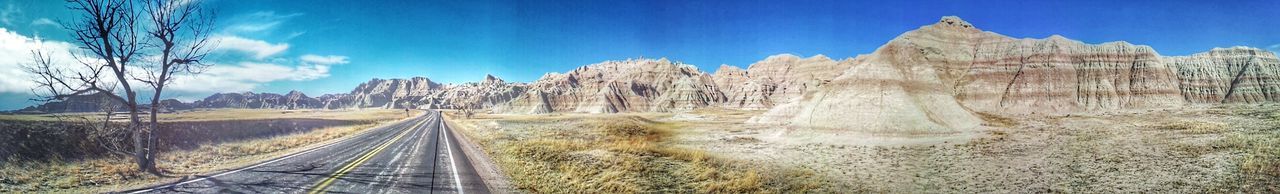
54 80
106 31
180 31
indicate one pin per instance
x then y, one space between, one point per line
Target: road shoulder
496 180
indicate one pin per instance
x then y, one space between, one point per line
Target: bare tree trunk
181 30
155 124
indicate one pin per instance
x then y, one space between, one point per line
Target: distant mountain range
935 78
415 92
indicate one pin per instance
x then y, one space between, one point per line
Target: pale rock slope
419 92
1229 75
775 80
935 78
487 93
633 85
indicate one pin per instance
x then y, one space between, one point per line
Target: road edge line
453 162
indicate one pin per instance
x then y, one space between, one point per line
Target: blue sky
330 46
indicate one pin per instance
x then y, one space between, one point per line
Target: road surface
418 155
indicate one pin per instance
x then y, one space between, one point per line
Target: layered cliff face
619 86
777 79
476 95
389 93
421 92
1229 75
250 100
934 78
298 100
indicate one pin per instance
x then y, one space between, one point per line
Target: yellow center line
354 163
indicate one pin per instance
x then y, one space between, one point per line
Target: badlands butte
937 78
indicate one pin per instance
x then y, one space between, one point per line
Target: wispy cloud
8 14
294 35
1274 47
257 48
44 22
247 76
324 60
258 22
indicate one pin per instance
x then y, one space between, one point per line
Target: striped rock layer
935 78
635 85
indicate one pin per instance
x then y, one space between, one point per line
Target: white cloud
253 27
15 52
295 35
45 22
246 76
258 48
258 22
324 60
1274 47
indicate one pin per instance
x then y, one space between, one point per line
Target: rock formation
1229 75
250 100
421 92
775 80
95 102
932 79
634 85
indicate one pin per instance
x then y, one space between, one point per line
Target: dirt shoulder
494 178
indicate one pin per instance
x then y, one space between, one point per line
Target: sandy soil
1136 151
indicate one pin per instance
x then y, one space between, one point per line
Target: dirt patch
1215 149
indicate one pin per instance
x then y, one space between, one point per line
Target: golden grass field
1193 149
618 153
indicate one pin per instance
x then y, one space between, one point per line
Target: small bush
1194 127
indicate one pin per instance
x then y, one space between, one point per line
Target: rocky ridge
250 100
633 85
421 92
936 78
775 80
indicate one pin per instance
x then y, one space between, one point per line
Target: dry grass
996 120
119 173
617 154
26 117
1194 126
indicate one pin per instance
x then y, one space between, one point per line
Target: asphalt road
418 155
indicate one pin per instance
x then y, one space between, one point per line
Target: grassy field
618 153
113 172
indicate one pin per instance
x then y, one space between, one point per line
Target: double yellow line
354 163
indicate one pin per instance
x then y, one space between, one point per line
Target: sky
331 46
